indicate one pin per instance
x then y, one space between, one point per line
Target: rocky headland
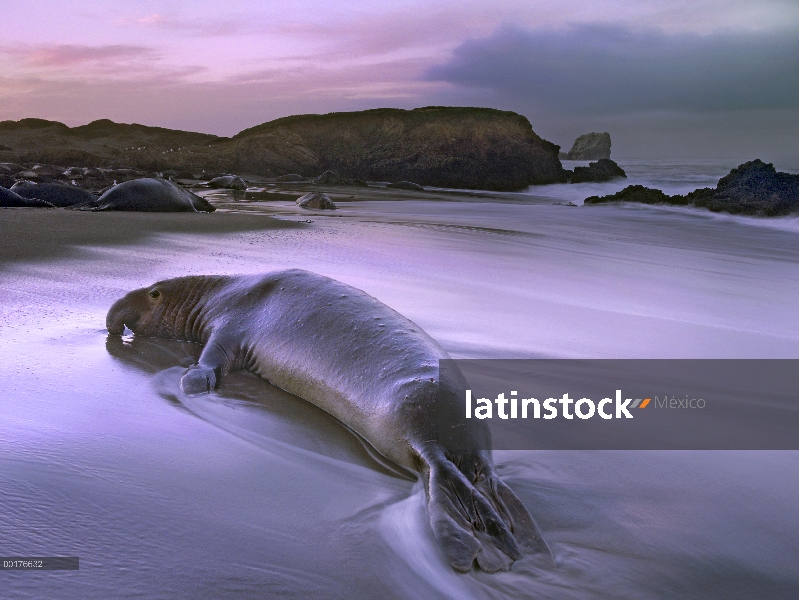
754 188
472 148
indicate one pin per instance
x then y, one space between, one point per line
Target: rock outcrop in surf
597 172
634 193
754 188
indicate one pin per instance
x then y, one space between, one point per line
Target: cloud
162 97
77 61
599 69
111 63
207 27
68 55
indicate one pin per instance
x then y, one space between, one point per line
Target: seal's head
137 310
165 309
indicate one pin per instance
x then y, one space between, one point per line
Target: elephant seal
228 182
405 185
9 199
362 362
56 194
149 195
316 200
290 177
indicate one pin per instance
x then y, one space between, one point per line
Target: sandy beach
251 492
589 206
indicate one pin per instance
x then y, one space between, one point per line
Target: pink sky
221 67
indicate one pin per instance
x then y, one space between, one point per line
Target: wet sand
252 493
35 234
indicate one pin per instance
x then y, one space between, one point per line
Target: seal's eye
155 294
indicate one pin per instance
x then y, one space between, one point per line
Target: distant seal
149 195
56 193
9 199
405 185
290 177
228 182
363 363
316 200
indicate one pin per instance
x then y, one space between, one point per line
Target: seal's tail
484 521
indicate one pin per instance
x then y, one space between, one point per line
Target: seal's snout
119 315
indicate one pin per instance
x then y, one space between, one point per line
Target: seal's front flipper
466 524
214 363
198 380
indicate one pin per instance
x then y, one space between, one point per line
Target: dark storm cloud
602 69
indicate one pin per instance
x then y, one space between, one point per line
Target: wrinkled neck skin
185 314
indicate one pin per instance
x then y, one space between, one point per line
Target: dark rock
290 177
633 193
316 200
590 146
405 185
228 182
184 175
170 173
56 194
10 199
754 188
566 203
597 172
7 181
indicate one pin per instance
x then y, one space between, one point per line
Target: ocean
251 492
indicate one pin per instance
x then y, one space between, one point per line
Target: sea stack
590 146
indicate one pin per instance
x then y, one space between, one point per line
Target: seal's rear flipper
90 205
467 524
522 524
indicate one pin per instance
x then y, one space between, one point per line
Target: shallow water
252 493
